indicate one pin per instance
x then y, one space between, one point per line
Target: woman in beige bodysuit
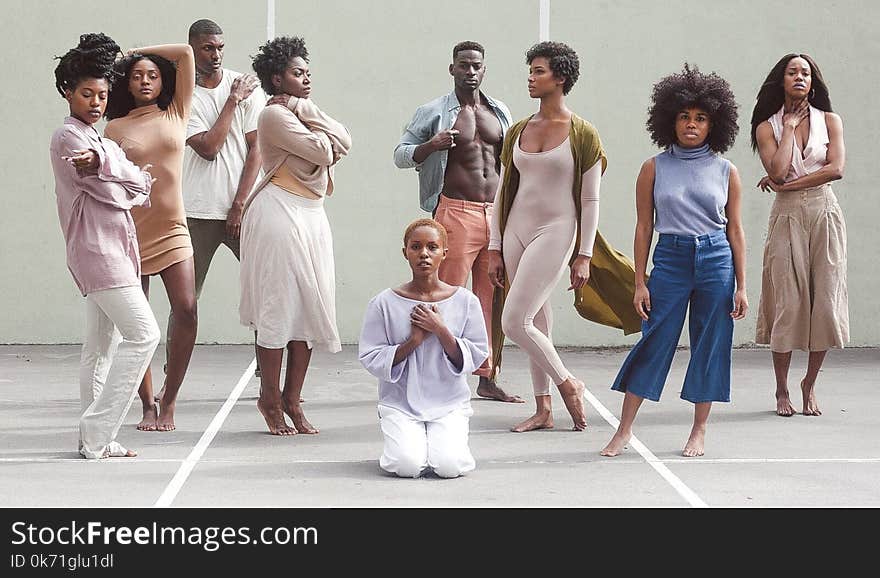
547 209
148 112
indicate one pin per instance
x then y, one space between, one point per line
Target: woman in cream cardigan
288 282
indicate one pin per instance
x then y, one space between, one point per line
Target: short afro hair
275 56
441 230
692 89
563 61
121 101
467 45
204 26
93 57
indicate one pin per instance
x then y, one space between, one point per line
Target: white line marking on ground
621 460
703 460
685 492
192 459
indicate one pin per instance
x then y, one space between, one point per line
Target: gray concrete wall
374 62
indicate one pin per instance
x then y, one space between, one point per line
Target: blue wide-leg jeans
695 273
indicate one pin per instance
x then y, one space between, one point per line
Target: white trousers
412 446
121 336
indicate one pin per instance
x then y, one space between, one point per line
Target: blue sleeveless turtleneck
690 191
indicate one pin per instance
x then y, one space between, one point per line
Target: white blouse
815 152
426 385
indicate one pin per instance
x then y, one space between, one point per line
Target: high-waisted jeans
695 273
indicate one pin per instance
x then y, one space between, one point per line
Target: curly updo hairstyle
275 56
563 61
121 100
692 89
92 58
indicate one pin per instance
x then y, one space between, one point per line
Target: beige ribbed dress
803 301
158 137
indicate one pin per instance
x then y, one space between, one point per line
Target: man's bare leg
488 389
298 357
542 419
631 405
694 446
269 403
808 384
781 363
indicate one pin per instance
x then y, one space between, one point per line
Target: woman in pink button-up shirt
95 186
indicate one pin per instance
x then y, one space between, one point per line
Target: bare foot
115 450
541 420
151 416
301 400
616 446
573 396
275 420
488 389
166 417
810 405
783 405
694 446
296 415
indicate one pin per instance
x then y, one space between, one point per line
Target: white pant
121 336
411 445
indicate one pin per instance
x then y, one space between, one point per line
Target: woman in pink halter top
803 291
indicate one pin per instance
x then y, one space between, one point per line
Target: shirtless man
454 142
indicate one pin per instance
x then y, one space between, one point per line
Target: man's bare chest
480 125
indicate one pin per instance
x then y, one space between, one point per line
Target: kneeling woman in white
422 340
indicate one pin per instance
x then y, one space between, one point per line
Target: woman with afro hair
148 114
690 195
546 218
95 188
288 282
803 301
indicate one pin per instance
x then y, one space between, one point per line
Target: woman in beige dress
148 112
803 291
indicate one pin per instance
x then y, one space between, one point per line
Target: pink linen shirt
93 208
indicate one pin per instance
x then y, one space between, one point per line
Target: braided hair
92 58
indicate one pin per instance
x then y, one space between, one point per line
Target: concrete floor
754 459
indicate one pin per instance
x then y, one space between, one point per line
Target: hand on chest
802 138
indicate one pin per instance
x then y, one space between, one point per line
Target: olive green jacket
607 298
